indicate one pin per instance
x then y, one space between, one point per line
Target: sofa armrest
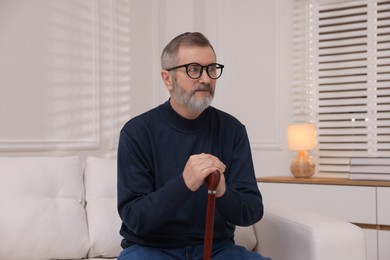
287 233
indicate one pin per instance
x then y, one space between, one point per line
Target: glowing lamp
302 137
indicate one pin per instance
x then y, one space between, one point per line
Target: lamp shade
301 136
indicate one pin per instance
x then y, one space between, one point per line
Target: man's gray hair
169 55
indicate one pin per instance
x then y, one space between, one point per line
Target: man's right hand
198 167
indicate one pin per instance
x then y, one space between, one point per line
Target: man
165 156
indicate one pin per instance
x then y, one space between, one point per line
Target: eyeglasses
195 70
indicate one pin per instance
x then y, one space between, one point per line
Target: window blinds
64 78
342 78
115 69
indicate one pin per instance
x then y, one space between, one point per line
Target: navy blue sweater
156 207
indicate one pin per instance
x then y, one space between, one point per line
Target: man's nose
205 77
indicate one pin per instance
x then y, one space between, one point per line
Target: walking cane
212 183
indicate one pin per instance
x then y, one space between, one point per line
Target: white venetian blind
344 79
65 77
115 69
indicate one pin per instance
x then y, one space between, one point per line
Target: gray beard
188 98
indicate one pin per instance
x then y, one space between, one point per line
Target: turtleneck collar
181 123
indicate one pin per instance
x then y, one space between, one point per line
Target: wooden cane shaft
212 183
209 229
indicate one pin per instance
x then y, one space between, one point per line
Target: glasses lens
194 70
214 70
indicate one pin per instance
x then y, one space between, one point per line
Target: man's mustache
203 87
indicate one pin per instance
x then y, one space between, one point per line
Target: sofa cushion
42 208
246 237
103 219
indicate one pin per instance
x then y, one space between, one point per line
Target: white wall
251 38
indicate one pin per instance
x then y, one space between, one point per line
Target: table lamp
302 137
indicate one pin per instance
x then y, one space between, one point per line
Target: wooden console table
323 180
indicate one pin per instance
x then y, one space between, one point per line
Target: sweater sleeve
242 202
141 208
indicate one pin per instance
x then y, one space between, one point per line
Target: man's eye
212 68
193 68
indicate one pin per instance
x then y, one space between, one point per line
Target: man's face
194 95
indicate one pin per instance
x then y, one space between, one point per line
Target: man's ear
166 77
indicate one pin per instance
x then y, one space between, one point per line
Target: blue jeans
221 251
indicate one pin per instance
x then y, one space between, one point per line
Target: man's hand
198 167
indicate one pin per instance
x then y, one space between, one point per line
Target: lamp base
302 166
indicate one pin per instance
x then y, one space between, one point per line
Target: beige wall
252 40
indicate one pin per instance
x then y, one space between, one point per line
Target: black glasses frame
218 66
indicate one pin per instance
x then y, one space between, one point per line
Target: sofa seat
61 208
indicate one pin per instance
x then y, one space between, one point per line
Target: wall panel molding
275 142
254 99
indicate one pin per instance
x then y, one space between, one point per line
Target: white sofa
60 208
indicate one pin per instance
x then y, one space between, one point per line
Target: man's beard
188 99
